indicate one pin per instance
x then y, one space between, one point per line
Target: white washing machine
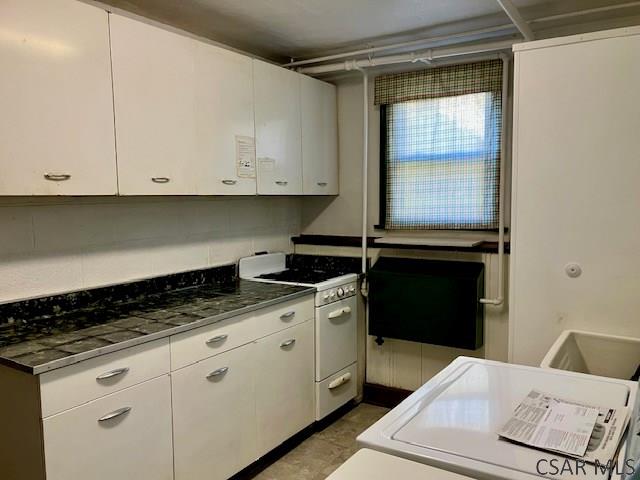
368 464
452 420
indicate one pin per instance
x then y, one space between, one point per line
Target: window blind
441 134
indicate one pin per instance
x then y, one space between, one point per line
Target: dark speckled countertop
54 339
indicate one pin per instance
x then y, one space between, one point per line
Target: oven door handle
339 313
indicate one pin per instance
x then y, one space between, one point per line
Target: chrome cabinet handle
113 373
114 414
217 339
229 182
282 183
322 184
57 177
288 315
218 371
160 179
288 343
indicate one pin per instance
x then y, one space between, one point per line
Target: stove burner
299 276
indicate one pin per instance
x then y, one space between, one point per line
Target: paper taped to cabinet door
245 157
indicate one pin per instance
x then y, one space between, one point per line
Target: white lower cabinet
214 416
205 415
120 436
284 385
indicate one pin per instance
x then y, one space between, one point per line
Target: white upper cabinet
183 114
226 133
56 127
278 131
319 137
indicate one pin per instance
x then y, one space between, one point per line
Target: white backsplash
55 245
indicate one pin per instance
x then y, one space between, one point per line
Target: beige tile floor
319 455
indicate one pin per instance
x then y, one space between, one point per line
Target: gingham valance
439 82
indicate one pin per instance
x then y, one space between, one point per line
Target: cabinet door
278 134
153 84
214 416
183 108
123 435
319 137
56 127
225 130
576 167
284 385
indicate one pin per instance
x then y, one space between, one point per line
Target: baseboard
384 396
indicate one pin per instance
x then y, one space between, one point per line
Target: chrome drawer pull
322 184
217 372
217 339
288 315
288 343
229 182
112 373
160 179
57 177
282 183
115 414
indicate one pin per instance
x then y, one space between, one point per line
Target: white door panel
56 127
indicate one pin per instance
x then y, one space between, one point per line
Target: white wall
54 245
396 363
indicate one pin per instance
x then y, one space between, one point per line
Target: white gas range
336 324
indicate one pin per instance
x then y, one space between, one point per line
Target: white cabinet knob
573 270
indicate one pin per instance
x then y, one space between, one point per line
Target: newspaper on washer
564 426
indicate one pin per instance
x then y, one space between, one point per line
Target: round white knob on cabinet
573 270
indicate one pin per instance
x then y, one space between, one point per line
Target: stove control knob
340 292
325 296
352 289
332 294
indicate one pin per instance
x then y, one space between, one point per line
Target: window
440 139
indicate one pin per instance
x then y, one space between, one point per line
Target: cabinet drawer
284 315
71 386
336 390
204 342
123 435
214 415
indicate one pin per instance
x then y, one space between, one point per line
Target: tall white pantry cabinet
102 104
576 177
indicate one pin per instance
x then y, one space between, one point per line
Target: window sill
354 241
428 241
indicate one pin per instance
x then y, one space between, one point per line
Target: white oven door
336 337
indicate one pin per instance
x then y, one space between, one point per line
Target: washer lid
462 413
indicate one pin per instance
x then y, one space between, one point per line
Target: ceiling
284 29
